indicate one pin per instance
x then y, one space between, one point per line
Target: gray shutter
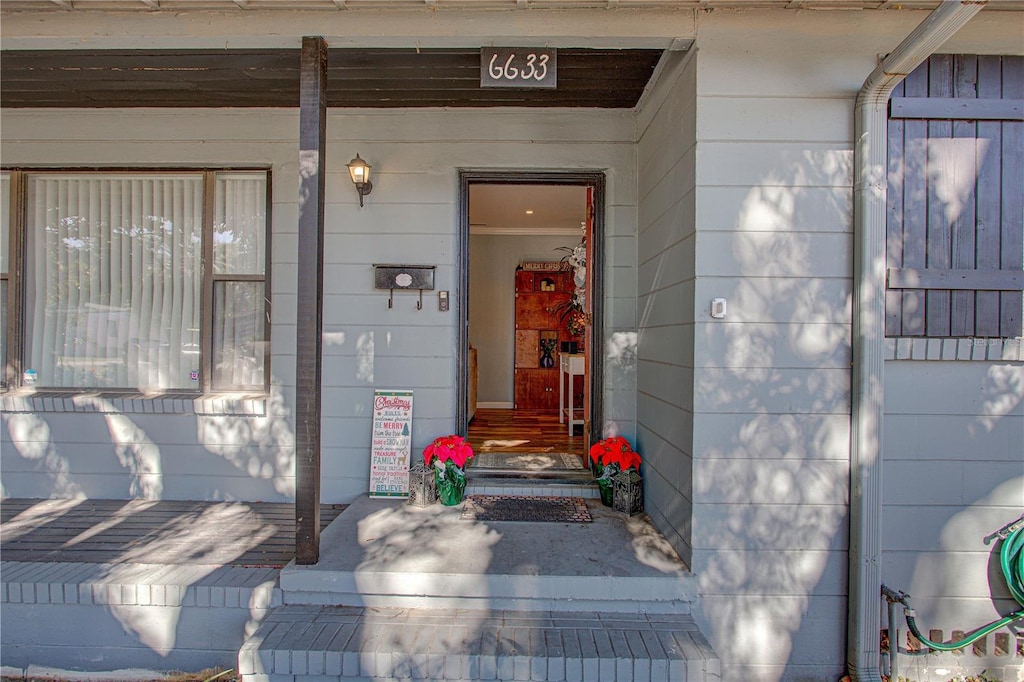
955 214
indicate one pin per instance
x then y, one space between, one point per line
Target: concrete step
310 643
383 553
608 594
555 484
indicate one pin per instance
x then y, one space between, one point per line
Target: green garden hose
1011 560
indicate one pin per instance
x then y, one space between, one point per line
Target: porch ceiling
333 5
270 78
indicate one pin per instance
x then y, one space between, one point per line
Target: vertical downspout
869 209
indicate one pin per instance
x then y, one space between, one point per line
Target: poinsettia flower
615 452
454 449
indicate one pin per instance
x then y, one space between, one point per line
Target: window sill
977 350
121 402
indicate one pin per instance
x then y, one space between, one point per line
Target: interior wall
492 267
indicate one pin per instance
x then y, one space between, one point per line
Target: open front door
512 240
588 334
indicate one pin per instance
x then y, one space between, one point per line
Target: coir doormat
516 508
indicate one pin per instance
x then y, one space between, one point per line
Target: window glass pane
238 335
3 331
113 280
5 215
240 224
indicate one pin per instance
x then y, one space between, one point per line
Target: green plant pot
606 491
450 489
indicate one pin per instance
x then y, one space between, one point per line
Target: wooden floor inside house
522 431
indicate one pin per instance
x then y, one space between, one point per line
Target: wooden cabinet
540 296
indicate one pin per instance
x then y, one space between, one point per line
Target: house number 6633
536 67
518 67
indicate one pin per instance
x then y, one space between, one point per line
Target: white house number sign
518 67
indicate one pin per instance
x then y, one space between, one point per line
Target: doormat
528 461
516 508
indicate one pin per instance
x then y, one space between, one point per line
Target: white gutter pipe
869 199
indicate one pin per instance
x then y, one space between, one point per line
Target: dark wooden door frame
595 298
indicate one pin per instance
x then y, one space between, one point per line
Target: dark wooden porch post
309 325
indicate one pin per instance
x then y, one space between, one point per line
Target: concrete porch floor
382 552
404 593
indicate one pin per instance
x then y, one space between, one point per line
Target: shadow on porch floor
151 532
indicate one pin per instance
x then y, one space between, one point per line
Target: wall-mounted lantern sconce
359 170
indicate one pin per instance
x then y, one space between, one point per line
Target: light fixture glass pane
113 280
239 338
240 224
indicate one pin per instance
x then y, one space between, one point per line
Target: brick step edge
139 585
442 644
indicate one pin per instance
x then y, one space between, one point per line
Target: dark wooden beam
309 325
364 77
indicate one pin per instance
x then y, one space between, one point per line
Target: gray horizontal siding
953 467
411 217
813 209
665 253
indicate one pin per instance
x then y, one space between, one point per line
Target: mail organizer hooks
393 277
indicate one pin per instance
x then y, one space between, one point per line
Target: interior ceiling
410 77
502 209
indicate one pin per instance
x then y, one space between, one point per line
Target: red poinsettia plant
613 455
448 449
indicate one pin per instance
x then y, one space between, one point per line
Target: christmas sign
391 443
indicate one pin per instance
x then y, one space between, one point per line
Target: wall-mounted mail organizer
393 277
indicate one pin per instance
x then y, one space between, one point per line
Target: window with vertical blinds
116 292
113 280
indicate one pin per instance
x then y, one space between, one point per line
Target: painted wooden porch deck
100 585
151 532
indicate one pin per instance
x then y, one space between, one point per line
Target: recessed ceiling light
529 211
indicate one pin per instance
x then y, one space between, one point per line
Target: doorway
526 370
